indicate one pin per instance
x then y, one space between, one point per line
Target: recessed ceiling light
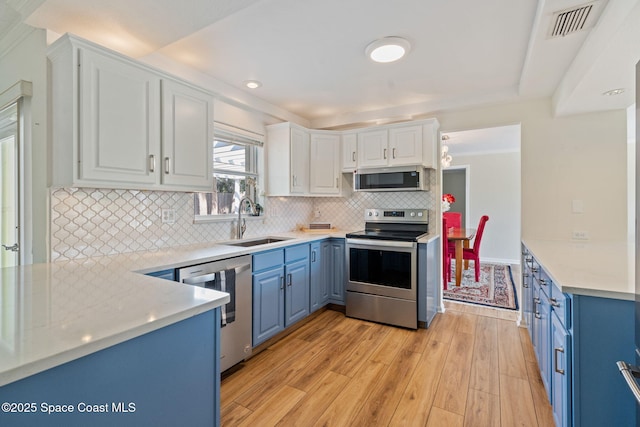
252 84
613 92
388 49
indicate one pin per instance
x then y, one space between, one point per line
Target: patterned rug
496 287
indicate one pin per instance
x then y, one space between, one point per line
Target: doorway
9 187
454 181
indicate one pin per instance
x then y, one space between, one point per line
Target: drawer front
268 259
543 279
293 253
561 305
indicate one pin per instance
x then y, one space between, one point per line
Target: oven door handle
381 243
212 276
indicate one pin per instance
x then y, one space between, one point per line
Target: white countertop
58 312
600 269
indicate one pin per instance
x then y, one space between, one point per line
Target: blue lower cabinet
318 290
337 282
280 290
428 281
167 377
560 373
169 274
268 304
296 291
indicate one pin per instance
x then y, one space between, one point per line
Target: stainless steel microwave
409 178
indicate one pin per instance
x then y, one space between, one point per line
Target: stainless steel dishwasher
235 335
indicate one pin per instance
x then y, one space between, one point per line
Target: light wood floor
472 367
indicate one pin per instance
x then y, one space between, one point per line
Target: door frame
467 184
21 93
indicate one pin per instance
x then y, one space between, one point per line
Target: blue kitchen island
89 343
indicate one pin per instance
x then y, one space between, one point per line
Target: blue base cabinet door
319 291
297 291
268 304
561 373
338 277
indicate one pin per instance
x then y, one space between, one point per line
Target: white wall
27 61
580 157
494 190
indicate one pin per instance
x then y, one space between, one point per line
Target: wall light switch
168 216
577 206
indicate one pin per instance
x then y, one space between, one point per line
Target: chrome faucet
242 228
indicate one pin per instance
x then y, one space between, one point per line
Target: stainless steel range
382 266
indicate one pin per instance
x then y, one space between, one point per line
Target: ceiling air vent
572 20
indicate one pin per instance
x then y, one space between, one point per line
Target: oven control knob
419 213
370 213
413 214
377 214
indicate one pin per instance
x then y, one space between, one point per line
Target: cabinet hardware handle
353 156
535 269
524 285
536 300
538 316
281 282
384 153
167 165
555 359
313 256
526 274
152 163
289 279
554 302
337 183
543 282
393 153
528 259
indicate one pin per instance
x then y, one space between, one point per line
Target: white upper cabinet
405 146
399 145
373 148
299 161
324 164
349 152
187 161
287 156
119 120
119 124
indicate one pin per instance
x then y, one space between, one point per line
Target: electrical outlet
317 213
580 235
168 216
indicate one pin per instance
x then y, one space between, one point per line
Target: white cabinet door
373 148
119 125
405 146
187 136
324 164
299 165
349 152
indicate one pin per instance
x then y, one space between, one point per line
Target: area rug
495 289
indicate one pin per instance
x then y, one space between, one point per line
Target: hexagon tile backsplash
89 222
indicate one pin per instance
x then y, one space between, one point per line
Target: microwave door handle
212 276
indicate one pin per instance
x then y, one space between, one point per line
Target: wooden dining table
461 237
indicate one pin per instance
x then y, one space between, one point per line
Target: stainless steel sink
257 242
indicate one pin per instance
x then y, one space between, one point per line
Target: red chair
446 255
454 219
474 252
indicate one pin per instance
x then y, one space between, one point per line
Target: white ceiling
309 55
502 139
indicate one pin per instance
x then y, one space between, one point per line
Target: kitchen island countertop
53 313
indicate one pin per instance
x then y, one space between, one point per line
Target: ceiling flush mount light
388 49
445 156
613 92
252 84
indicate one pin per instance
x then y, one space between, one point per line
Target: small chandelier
445 157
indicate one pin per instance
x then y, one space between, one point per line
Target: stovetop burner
392 224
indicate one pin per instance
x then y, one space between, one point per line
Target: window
236 156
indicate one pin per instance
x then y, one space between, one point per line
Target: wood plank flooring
473 367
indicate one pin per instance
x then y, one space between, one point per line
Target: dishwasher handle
630 373
212 276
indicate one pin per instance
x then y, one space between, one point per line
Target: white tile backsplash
89 222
